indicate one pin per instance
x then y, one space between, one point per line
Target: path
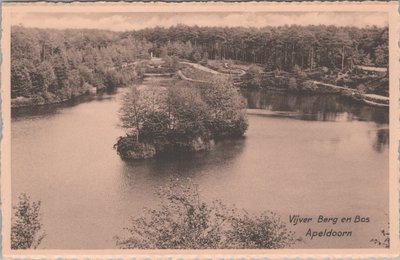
371 99
201 67
374 96
242 71
180 74
209 70
330 85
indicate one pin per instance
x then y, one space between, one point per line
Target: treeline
280 47
49 65
53 65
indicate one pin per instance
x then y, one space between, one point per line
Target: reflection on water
192 165
315 107
382 140
299 155
51 109
319 108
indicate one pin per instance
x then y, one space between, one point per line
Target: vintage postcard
200 130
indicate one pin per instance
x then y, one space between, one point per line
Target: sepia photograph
240 129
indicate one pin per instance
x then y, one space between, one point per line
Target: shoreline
359 100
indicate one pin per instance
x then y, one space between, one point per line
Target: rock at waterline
130 149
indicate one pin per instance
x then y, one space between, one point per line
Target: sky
135 21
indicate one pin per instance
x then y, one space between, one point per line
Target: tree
26 228
189 115
20 78
255 75
204 59
52 65
196 56
183 220
43 77
132 112
137 105
282 47
226 107
171 62
381 55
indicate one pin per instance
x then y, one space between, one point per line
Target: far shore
222 68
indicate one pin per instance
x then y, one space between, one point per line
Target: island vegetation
185 116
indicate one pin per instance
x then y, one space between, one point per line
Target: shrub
196 56
185 221
255 74
128 148
309 86
259 231
26 228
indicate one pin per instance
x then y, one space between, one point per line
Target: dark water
309 155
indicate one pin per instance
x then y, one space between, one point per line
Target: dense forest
49 65
277 47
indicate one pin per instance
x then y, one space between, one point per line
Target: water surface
308 155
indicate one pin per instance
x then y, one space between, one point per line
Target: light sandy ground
374 96
180 74
201 67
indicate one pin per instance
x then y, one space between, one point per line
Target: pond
307 155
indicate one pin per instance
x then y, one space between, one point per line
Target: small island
174 115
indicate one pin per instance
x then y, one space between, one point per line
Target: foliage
137 106
281 47
59 63
309 86
26 228
172 119
196 56
129 148
226 107
185 221
189 115
196 74
260 231
171 62
255 75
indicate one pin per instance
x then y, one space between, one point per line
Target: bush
26 228
255 74
309 86
185 221
171 63
259 231
129 148
196 56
